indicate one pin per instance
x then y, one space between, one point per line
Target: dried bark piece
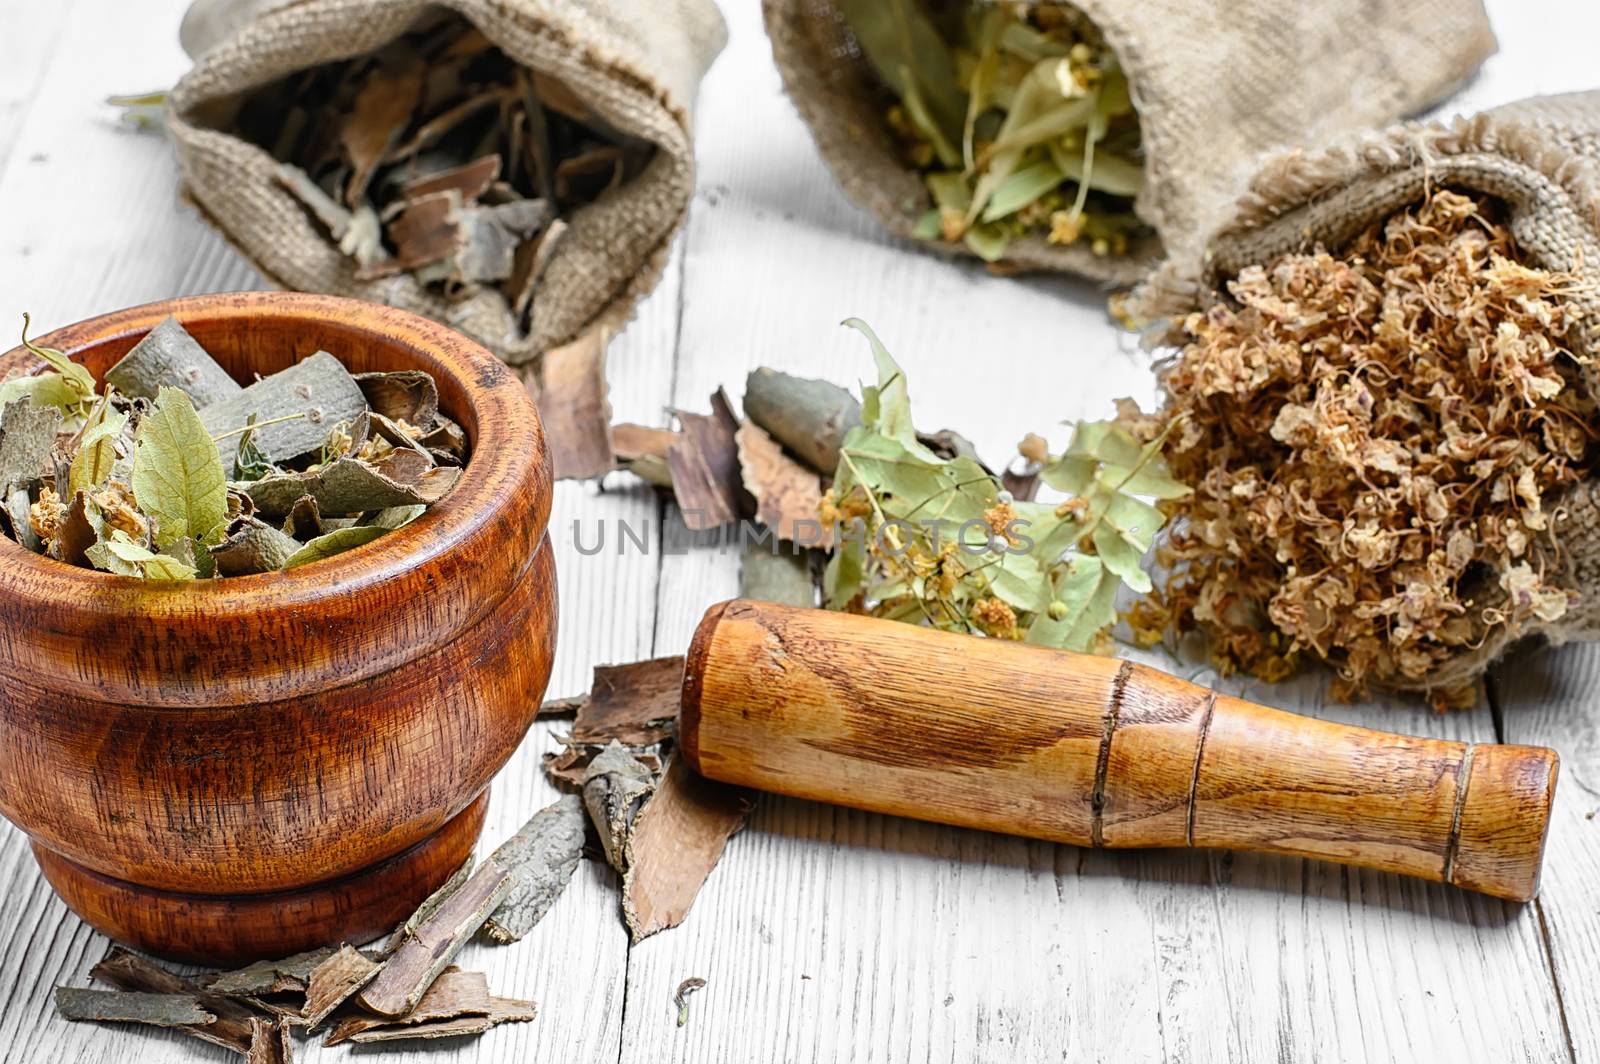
454 994
270 977
616 786
705 467
334 216
425 911
642 451
572 403
588 175
252 546
319 388
269 1042
674 844
492 236
558 97
27 437
570 765
788 495
347 486
407 974
562 707
304 520
75 533
446 442
810 417
122 1006
377 119
531 259
777 576
541 857
127 971
501 1010
408 395
331 983
634 704
17 505
403 465
428 230
433 129
469 180
169 357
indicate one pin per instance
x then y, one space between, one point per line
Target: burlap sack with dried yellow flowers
637 66
1540 159
1214 84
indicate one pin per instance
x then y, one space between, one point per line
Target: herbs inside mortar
174 472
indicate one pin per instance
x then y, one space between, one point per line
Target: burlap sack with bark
1215 83
1541 157
637 65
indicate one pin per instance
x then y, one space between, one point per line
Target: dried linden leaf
177 472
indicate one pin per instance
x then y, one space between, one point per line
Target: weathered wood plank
79 240
1548 696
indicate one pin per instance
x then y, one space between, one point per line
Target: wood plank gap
1199 752
1102 762
1555 980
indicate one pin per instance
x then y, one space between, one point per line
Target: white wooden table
828 934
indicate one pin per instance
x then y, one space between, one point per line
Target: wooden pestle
1092 751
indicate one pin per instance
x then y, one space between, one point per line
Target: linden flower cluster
1377 440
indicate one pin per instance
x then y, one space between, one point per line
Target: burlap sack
1541 157
1215 83
637 65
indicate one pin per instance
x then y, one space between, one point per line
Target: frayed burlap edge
1299 200
595 278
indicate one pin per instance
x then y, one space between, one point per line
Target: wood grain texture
1548 696
229 737
827 933
227 928
1008 737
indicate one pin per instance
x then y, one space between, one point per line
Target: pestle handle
1092 751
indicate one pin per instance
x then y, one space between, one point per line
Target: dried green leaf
121 555
97 449
1086 592
77 377
177 473
333 543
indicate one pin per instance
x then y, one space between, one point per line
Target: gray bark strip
810 417
319 388
541 858
120 1006
27 436
169 357
127 971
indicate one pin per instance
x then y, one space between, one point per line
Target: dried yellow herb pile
1377 439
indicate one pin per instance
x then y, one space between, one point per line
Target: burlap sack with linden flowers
1214 83
1508 515
635 65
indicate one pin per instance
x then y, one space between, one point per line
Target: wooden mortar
253 766
1092 751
